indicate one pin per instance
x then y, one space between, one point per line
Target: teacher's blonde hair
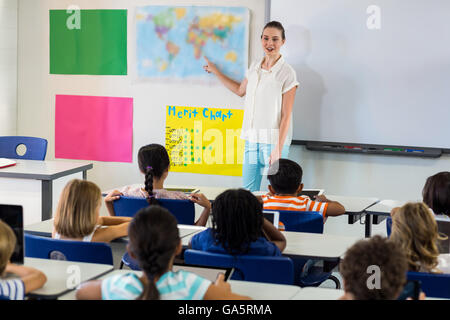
7 245
76 213
415 230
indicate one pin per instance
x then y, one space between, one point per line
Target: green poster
88 42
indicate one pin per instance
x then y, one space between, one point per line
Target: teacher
269 89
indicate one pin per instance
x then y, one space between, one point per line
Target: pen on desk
414 150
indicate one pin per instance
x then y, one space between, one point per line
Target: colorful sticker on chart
205 140
94 128
90 42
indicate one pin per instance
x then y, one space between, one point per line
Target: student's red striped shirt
300 203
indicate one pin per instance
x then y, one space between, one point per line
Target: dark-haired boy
286 184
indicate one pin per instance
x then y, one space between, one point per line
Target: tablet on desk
185 190
311 193
12 215
209 273
272 216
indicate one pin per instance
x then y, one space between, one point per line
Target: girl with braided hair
154 163
154 243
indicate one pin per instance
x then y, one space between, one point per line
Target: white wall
359 175
8 67
37 88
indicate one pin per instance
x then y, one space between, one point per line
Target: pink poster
94 128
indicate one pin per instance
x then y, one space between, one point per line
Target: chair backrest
388 226
301 221
48 248
444 228
248 268
432 284
183 210
4 297
36 147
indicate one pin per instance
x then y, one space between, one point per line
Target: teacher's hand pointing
209 67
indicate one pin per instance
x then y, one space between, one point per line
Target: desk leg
368 224
84 174
47 200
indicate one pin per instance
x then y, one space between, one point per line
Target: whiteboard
369 75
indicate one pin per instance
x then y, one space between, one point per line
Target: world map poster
172 41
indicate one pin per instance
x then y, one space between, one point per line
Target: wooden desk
61 274
36 185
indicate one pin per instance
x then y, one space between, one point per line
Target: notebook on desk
209 273
12 215
4 163
185 190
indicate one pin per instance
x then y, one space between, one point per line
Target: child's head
415 230
237 220
287 179
7 245
154 162
78 209
436 193
154 242
370 262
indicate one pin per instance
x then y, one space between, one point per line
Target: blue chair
432 284
388 226
248 268
36 147
48 248
183 210
4 298
306 221
129 262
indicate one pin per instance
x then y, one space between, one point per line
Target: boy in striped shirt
286 184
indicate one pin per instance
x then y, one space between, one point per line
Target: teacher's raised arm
269 89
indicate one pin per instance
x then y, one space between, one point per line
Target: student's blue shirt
205 241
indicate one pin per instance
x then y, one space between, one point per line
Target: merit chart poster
205 140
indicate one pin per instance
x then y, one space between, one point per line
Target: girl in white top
154 163
269 89
77 216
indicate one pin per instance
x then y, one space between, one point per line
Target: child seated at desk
286 184
391 265
77 215
154 243
415 230
436 194
29 278
239 227
154 163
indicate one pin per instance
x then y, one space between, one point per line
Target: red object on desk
4 163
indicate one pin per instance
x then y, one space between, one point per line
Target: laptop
272 216
12 215
210 273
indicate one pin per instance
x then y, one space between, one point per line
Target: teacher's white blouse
263 102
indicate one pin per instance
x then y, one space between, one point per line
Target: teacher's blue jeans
256 163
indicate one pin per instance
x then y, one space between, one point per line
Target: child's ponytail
149 186
154 238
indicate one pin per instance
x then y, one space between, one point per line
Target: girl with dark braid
154 243
154 163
